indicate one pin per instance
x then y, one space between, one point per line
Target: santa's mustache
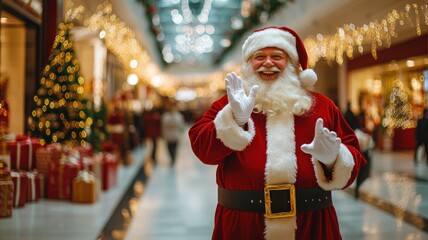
266 69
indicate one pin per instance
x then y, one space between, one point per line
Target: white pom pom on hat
285 39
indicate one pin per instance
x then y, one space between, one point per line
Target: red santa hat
285 39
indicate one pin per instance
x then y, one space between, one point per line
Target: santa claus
280 148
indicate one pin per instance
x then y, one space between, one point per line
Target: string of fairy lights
349 39
376 34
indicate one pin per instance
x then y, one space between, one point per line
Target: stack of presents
30 171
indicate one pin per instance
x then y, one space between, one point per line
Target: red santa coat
268 151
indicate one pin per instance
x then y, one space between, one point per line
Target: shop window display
389 98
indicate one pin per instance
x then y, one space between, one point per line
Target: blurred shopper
116 127
280 148
367 146
350 117
172 128
152 129
421 135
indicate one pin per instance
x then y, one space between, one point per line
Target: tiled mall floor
178 203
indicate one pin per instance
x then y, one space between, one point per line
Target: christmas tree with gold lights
98 131
398 113
59 114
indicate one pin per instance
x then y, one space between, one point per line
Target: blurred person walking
152 129
172 126
421 135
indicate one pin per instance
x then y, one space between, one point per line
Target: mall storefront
389 93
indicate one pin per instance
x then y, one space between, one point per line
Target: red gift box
6 197
112 148
47 154
60 178
85 151
109 170
23 152
36 186
20 183
108 147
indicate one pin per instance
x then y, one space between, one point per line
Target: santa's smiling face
268 63
279 86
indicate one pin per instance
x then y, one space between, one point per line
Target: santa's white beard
282 95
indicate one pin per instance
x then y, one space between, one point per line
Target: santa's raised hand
241 104
325 145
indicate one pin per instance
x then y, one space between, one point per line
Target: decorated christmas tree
398 113
97 133
59 114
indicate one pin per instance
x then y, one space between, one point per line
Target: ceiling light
185 95
133 63
168 57
157 81
132 79
225 42
210 29
160 37
102 34
200 29
410 63
236 23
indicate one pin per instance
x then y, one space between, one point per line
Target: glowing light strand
377 33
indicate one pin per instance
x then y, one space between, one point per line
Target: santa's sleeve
349 159
230 133
216 135
341 173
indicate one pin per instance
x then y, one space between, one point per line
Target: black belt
276 200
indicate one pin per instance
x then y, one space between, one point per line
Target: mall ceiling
199 32
202 35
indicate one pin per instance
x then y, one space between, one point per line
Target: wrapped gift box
112 148
108 147
6 193
109 170
6 197
60 177
85 151
47 154
93 165
6 159
84 188
23 152
20 183
36 186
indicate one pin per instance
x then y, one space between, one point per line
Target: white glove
241 104
325 146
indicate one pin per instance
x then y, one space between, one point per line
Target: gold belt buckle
268 211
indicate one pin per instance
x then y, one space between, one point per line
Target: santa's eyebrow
279 52
258 52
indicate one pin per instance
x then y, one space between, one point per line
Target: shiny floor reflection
179 201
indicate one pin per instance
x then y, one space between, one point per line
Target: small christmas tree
59 115
398 113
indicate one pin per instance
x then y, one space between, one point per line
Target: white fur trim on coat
342 170
230 133
281 167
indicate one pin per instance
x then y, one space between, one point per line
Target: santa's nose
268 63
